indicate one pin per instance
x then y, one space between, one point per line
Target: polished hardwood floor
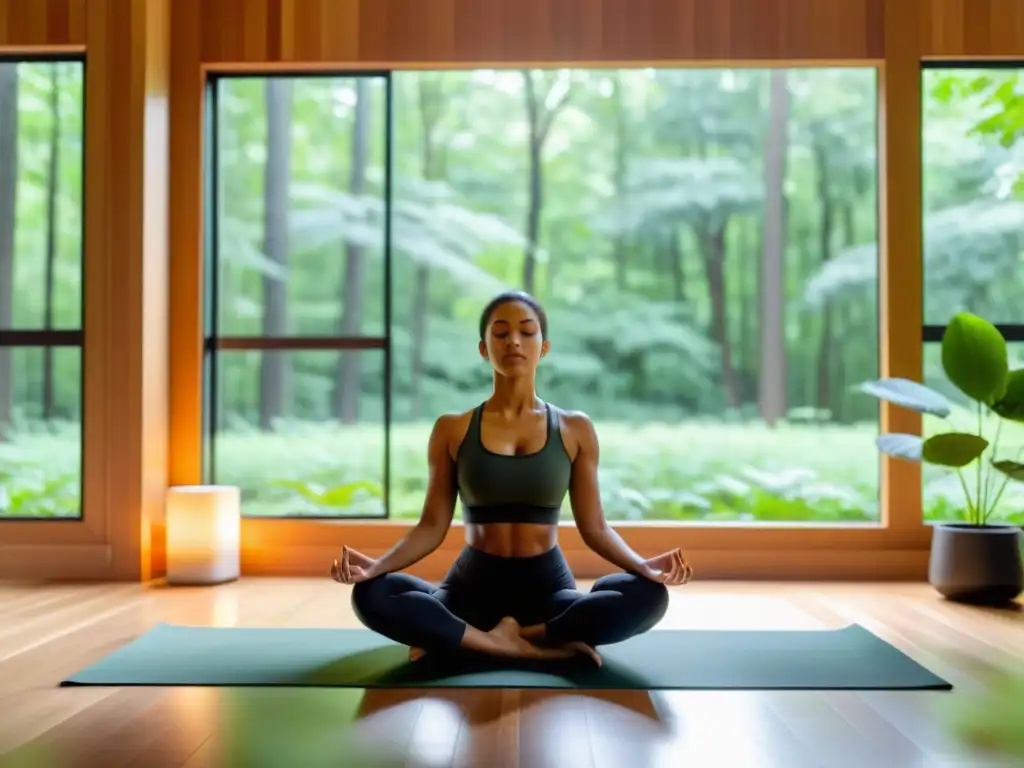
49 631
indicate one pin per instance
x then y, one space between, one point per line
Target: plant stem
990 474
995 502
978 474
967 495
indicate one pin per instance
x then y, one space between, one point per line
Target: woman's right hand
353 568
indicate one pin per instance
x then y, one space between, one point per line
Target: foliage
971 250
689 471
998 96
989 719
265 728
973 171
651 220
974 357
338 499
39 474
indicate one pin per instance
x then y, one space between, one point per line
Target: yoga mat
851 658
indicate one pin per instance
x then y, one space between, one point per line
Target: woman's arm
585 497
438 508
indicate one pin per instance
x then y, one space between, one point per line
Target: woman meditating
511 461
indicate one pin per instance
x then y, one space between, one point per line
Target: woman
511 461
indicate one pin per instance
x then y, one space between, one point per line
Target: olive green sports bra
526 488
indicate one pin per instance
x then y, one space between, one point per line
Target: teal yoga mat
851 658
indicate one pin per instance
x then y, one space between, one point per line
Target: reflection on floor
47 632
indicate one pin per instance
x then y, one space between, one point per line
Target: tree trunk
8 198
52 181
826 225
772 381
346 389
277 172
848 321
713 247
540 113
535 185
750 247
619 244
432 106
675 254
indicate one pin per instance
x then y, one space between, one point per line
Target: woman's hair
510 296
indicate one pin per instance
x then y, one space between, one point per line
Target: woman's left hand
670 569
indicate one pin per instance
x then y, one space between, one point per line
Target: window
682 227
41 162
297 354
973 234
672 222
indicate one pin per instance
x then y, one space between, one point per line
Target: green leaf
336 496
908 394
953 449
1011 405
974 357
311 492
1012 469
899 446
344 495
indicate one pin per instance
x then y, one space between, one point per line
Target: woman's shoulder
576 428
573 420
452 428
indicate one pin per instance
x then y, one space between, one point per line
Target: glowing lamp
203 534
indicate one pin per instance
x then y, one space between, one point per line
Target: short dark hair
506 298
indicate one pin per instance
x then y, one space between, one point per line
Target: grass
694 471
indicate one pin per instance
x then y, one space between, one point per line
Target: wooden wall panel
29 25
954 29
453 32
900 268
125 272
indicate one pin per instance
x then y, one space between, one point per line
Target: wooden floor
47 632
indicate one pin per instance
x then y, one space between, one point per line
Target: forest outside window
297 354
41 162
974 241
678 225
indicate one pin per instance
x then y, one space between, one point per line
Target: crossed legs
410 611
617 607
413 612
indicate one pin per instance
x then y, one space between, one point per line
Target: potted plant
976 561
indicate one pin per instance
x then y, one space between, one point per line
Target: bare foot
415 654
509 642
534 632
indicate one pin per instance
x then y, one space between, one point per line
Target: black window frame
214 342
61 338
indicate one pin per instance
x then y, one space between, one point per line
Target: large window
297 317
41 160
973 238
678 225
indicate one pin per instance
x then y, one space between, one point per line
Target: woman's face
514 343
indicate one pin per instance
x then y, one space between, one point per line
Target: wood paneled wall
956 29
411 32
125 267
42 24
900 269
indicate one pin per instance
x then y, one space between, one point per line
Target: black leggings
481 589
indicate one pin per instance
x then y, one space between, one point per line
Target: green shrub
689 471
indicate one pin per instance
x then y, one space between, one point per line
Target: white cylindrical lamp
203 534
